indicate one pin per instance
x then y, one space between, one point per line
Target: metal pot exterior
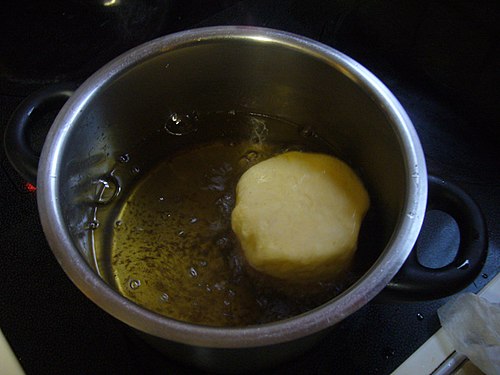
242 69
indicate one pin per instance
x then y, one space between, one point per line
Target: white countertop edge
437 349
9 363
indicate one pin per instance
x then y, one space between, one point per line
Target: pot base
233 360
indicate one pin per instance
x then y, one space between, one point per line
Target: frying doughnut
297 216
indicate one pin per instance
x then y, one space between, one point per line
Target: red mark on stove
29 187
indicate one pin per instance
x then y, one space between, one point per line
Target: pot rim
360 293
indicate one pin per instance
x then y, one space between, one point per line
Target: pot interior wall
129 112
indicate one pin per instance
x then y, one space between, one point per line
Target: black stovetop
439 58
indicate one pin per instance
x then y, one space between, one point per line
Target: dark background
440 58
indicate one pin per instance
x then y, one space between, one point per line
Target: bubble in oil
222 242
118 224
165 215
249 157
420 316
193 220
124 158
135 170
134 284
92 225
107 189
181 124
220 286
164 297
193 272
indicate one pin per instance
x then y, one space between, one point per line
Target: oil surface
172 250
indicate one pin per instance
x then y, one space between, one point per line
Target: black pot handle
17 147
417 282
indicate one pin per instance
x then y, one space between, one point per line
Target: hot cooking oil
171 249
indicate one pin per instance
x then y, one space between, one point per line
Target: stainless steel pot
249 70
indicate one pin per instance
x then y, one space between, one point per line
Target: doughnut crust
297 216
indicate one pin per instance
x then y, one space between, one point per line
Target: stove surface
440 61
